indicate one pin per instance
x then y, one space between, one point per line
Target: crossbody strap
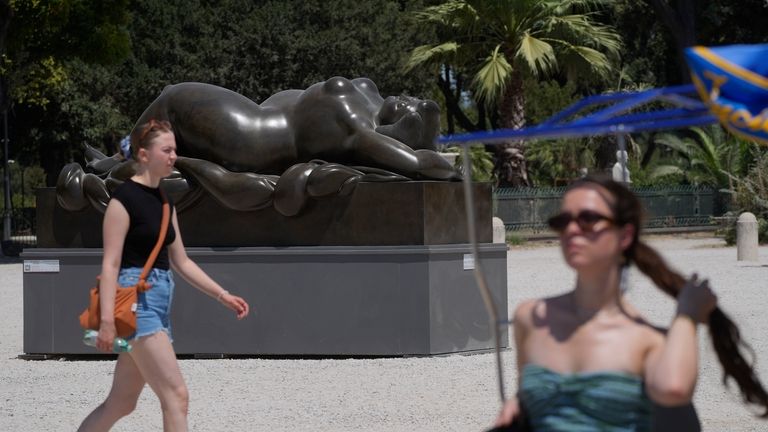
143 285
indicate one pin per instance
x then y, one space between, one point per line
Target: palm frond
492 78
675 143
586 58
665 170
583 30
448 13
431 54
537 54
562 7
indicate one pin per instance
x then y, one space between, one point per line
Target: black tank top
145 208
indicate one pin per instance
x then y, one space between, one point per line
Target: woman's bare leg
121 401
155 358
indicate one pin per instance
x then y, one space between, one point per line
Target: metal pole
485 293
6 181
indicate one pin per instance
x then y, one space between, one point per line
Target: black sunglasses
585 219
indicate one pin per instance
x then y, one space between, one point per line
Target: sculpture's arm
369 146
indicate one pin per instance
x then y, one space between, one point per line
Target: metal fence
527 209
23 223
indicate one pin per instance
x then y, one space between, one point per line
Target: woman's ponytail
725 335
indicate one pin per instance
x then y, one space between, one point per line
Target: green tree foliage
42 40
699 155
646 50
751 191
24 181
501 41
41 35
750 194
82 110
655 32
479 159
254 49
260 49
554 162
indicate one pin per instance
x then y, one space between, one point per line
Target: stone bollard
499 232
746 237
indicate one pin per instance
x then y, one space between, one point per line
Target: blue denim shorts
153 312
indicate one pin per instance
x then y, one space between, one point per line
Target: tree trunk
511 168
452 105
649 151
5 20
6 13
681 23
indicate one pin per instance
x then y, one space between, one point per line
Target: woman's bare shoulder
528 310
647 331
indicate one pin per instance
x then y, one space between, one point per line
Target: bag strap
142 285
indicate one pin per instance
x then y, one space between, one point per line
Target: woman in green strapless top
587 360
605 401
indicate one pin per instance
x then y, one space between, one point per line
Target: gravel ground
452 393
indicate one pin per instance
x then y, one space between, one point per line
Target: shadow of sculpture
296 145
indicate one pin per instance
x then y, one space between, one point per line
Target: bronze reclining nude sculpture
295 145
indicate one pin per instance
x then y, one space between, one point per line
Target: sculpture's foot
434 166
100 164
76 190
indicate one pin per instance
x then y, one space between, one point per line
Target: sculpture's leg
318 178
234 190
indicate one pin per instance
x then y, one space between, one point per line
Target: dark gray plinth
384 300
385 214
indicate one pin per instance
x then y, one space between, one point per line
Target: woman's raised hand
696 299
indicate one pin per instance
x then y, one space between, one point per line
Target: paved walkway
454 393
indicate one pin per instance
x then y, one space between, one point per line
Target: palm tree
500 41
705 156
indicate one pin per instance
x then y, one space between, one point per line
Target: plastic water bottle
120 344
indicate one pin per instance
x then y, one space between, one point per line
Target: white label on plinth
469 262
41 266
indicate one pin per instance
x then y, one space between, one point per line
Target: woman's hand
106 340
235 303
509 412
696 299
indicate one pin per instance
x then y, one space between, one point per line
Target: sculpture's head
413 121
